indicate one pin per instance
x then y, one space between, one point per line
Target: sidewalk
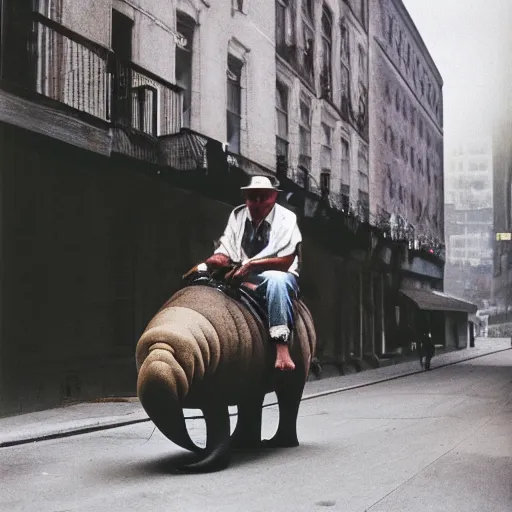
105 414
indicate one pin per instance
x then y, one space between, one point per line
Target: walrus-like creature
207 350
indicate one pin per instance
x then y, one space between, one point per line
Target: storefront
446 316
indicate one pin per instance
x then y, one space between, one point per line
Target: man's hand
240 272
218 261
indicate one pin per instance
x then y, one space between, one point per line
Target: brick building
502 191
406 178
406 123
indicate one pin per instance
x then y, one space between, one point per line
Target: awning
185 151
433 300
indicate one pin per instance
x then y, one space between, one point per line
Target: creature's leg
217 452
247 434
289 387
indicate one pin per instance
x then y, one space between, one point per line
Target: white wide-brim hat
261 183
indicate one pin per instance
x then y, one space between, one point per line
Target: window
326 78
234 103
345 162
391 185
420 127
362 12
387 93
399 45
305 134
307 8
308 39
285 29
397 101
325 182
390 29
345 92
364 206
362 165
122 103
363 67
280 27
185 26
412 157
345 42
345 197
326 148
281 121
392 142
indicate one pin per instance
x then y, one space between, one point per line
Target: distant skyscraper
469 220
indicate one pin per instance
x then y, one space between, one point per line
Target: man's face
260 202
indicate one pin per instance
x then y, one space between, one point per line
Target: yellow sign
503 237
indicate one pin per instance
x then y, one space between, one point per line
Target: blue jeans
279 289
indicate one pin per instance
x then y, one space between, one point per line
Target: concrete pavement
437 441
89 417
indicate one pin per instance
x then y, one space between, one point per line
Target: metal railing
51 61
71 70
143 102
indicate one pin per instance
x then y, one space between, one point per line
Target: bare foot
283 360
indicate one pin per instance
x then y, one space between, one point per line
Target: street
435 441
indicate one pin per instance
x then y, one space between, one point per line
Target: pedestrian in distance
426 345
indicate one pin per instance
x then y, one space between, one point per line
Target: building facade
502 200
469 222
406 123
322 97
406 179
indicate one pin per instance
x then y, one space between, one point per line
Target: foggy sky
470 44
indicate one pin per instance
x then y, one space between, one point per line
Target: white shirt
284 236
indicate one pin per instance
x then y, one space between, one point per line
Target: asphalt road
438 441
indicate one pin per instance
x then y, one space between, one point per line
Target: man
263 237
426 348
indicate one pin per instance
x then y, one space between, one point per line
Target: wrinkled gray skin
203 350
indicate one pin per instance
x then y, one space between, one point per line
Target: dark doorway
122 33
18 48
184 55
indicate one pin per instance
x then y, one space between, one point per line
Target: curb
117 424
